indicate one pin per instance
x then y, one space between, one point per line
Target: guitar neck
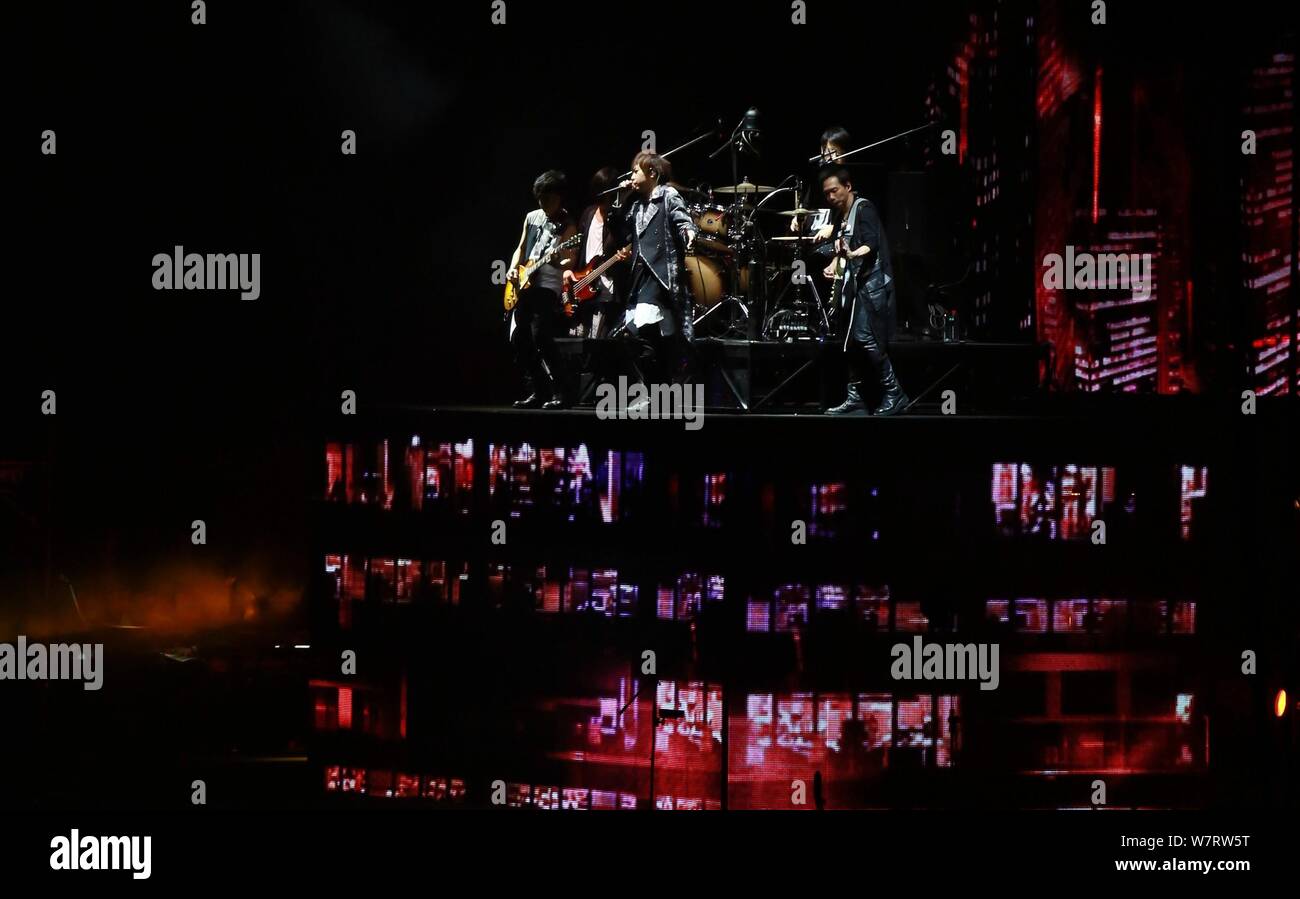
550 254
600 269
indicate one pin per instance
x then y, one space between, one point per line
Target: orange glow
1279 705
175 598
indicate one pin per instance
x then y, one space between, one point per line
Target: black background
376 268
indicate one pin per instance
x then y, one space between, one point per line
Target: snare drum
710 219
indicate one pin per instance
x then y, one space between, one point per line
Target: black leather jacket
870 285
661 242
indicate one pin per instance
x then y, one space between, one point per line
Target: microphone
749 131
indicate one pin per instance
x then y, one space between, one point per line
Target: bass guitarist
598 316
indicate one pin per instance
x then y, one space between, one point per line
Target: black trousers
539 317
866 349
653 354
654 351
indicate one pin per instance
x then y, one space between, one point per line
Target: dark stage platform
1181 430
799 375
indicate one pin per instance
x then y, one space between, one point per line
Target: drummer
835 141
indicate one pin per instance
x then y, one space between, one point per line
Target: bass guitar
585 280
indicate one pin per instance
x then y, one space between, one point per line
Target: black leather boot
533 399
893 400
556 397
852 405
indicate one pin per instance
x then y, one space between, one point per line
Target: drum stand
799 307
741 137
738 326
739 303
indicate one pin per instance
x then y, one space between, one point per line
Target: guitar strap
853 216
849 224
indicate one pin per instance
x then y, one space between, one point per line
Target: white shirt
649 314
596 244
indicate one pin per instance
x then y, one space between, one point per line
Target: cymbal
744 188
790 212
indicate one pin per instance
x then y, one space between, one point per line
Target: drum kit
736 268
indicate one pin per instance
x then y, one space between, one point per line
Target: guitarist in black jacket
867 309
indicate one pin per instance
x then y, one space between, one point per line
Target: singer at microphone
645 181
658 226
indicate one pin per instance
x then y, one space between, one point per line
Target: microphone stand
690 143
737 135
843 156
615 190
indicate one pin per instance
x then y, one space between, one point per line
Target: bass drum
708 278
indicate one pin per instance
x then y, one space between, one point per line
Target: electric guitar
583 287
842 272
526 270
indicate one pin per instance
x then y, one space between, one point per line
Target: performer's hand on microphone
626 183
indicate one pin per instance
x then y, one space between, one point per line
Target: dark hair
836 135
602 181
835 171
548 182
653 162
